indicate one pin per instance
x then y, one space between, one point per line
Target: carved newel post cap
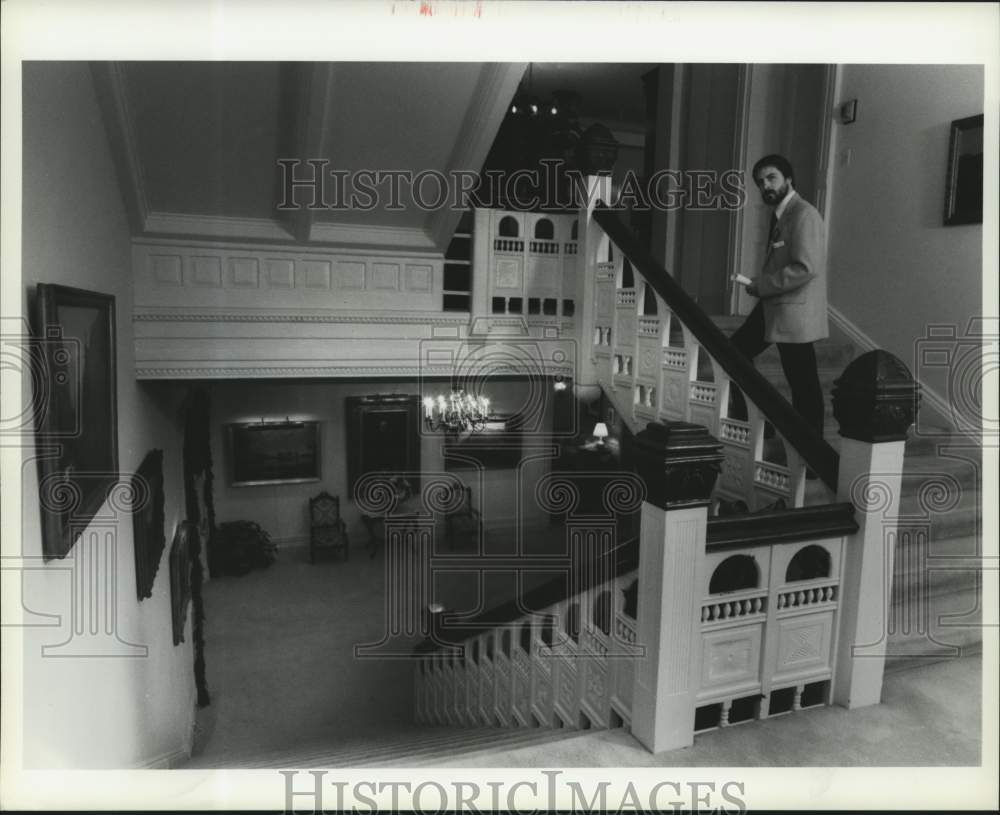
876 398
679 462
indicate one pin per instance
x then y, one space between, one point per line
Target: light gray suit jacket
792 284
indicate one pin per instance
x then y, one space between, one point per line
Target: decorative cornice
287 371
372 236
285 248
210 371
215 226
383 318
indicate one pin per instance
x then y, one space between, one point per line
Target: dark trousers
798 361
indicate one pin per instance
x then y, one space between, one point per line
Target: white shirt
778 210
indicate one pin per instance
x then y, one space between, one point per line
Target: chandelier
456 413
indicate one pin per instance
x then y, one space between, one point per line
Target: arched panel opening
649 307
544 230
809 563
508 227
735 573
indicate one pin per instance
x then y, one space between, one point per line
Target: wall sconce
600 433
849 112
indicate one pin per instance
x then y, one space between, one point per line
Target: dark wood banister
739 531
809 444
734 532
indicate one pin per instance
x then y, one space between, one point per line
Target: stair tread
405 746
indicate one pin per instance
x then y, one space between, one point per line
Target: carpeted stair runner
936 598
405 747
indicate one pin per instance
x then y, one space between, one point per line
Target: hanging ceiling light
526 103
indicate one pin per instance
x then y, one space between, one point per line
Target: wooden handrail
733 532
809 444
622 559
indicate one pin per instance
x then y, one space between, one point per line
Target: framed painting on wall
75 406
147 521
180 577
963 202
274 453
383 436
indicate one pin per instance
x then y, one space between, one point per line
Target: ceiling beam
310 126
109 86
497 85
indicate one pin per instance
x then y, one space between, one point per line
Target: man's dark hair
780 163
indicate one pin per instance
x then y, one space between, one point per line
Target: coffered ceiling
198 143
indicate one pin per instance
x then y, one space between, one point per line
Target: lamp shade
600 431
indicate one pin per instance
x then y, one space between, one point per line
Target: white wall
85 711
893 268
282 509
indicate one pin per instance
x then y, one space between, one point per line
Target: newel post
679 463
875 402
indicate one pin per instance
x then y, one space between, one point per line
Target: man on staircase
791 287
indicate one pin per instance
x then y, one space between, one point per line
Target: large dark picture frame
147 521
274 453
180 577
963 195
75 404
383 436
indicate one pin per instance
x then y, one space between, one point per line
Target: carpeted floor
280 644
284 673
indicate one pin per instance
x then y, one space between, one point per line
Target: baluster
724 716
797 699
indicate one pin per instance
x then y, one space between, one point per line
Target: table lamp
600 433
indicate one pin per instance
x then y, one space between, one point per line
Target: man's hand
752 289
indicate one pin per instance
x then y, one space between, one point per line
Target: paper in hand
739 278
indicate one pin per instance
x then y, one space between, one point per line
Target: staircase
936 598
403 746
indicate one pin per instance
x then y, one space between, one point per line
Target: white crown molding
494 90
373 237
209 371
109 86
181 315
215 226
284 247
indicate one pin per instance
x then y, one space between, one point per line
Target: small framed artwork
963 195
75 405
147 521
180 577
274 453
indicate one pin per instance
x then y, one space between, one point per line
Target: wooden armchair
464 521
327 530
